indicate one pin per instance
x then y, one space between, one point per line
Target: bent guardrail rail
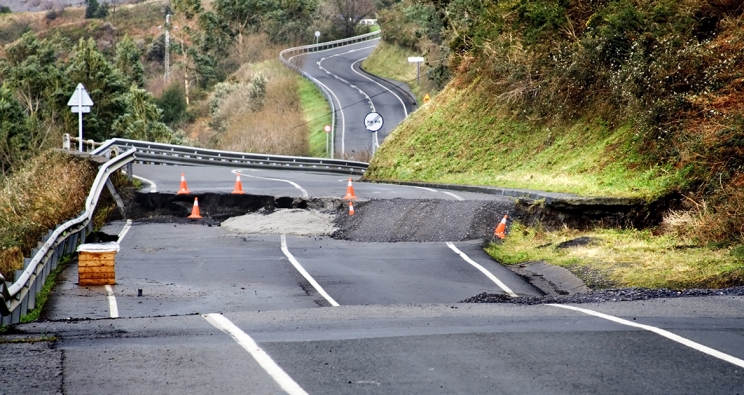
320 47
169 154
20 296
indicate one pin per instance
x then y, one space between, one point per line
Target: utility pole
167 47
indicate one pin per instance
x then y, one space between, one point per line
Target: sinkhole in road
377 220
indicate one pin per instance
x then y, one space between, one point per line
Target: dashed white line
483 270
305 274
264 360
669 335
405 110
113 308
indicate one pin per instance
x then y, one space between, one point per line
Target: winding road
357 94
201 309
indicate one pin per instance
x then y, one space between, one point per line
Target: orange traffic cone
351 208
500 231
238 186
184 189
350 192
195 210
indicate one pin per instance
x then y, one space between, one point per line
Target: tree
290 20
105 84
91 10
189 8
141 120
127 60
13 131
173 104
348 13
242 15
34 75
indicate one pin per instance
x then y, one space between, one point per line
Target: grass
49 190
458 139
624 258
317 114
42 296
465 135
391 61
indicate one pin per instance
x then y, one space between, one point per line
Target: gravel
296 222
428 220
608 295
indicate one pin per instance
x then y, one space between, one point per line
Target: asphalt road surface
199 309
357 94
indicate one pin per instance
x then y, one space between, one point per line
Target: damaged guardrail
20 297
168 154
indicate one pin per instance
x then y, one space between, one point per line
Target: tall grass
49 190
275 126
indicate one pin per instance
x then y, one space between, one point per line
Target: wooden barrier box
96 264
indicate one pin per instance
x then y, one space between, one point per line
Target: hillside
616 98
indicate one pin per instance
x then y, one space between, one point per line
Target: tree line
38 75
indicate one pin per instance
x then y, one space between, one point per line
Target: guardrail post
23 309
30 285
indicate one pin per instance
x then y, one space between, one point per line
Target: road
199 309
356 94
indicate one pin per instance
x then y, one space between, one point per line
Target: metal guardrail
169 154
295 65
20 297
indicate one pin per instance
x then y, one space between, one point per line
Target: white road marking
113 308
153 187
264 360
669 335
434 190
304 192
482 269
405 111
124 230
305 274
426 189
453 195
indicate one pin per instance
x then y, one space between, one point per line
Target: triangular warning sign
426 98
80 93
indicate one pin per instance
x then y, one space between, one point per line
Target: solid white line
113 308
124 230
482 269
153 187
304 192
264 360
305 274
424 188
453 195
669 335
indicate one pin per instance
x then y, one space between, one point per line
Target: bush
48 190
173 104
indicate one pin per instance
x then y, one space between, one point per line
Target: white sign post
418 60
327 130
373 122
80 102
317 35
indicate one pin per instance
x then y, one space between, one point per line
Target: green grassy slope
465 136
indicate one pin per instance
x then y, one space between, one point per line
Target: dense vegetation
617 97
224 88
